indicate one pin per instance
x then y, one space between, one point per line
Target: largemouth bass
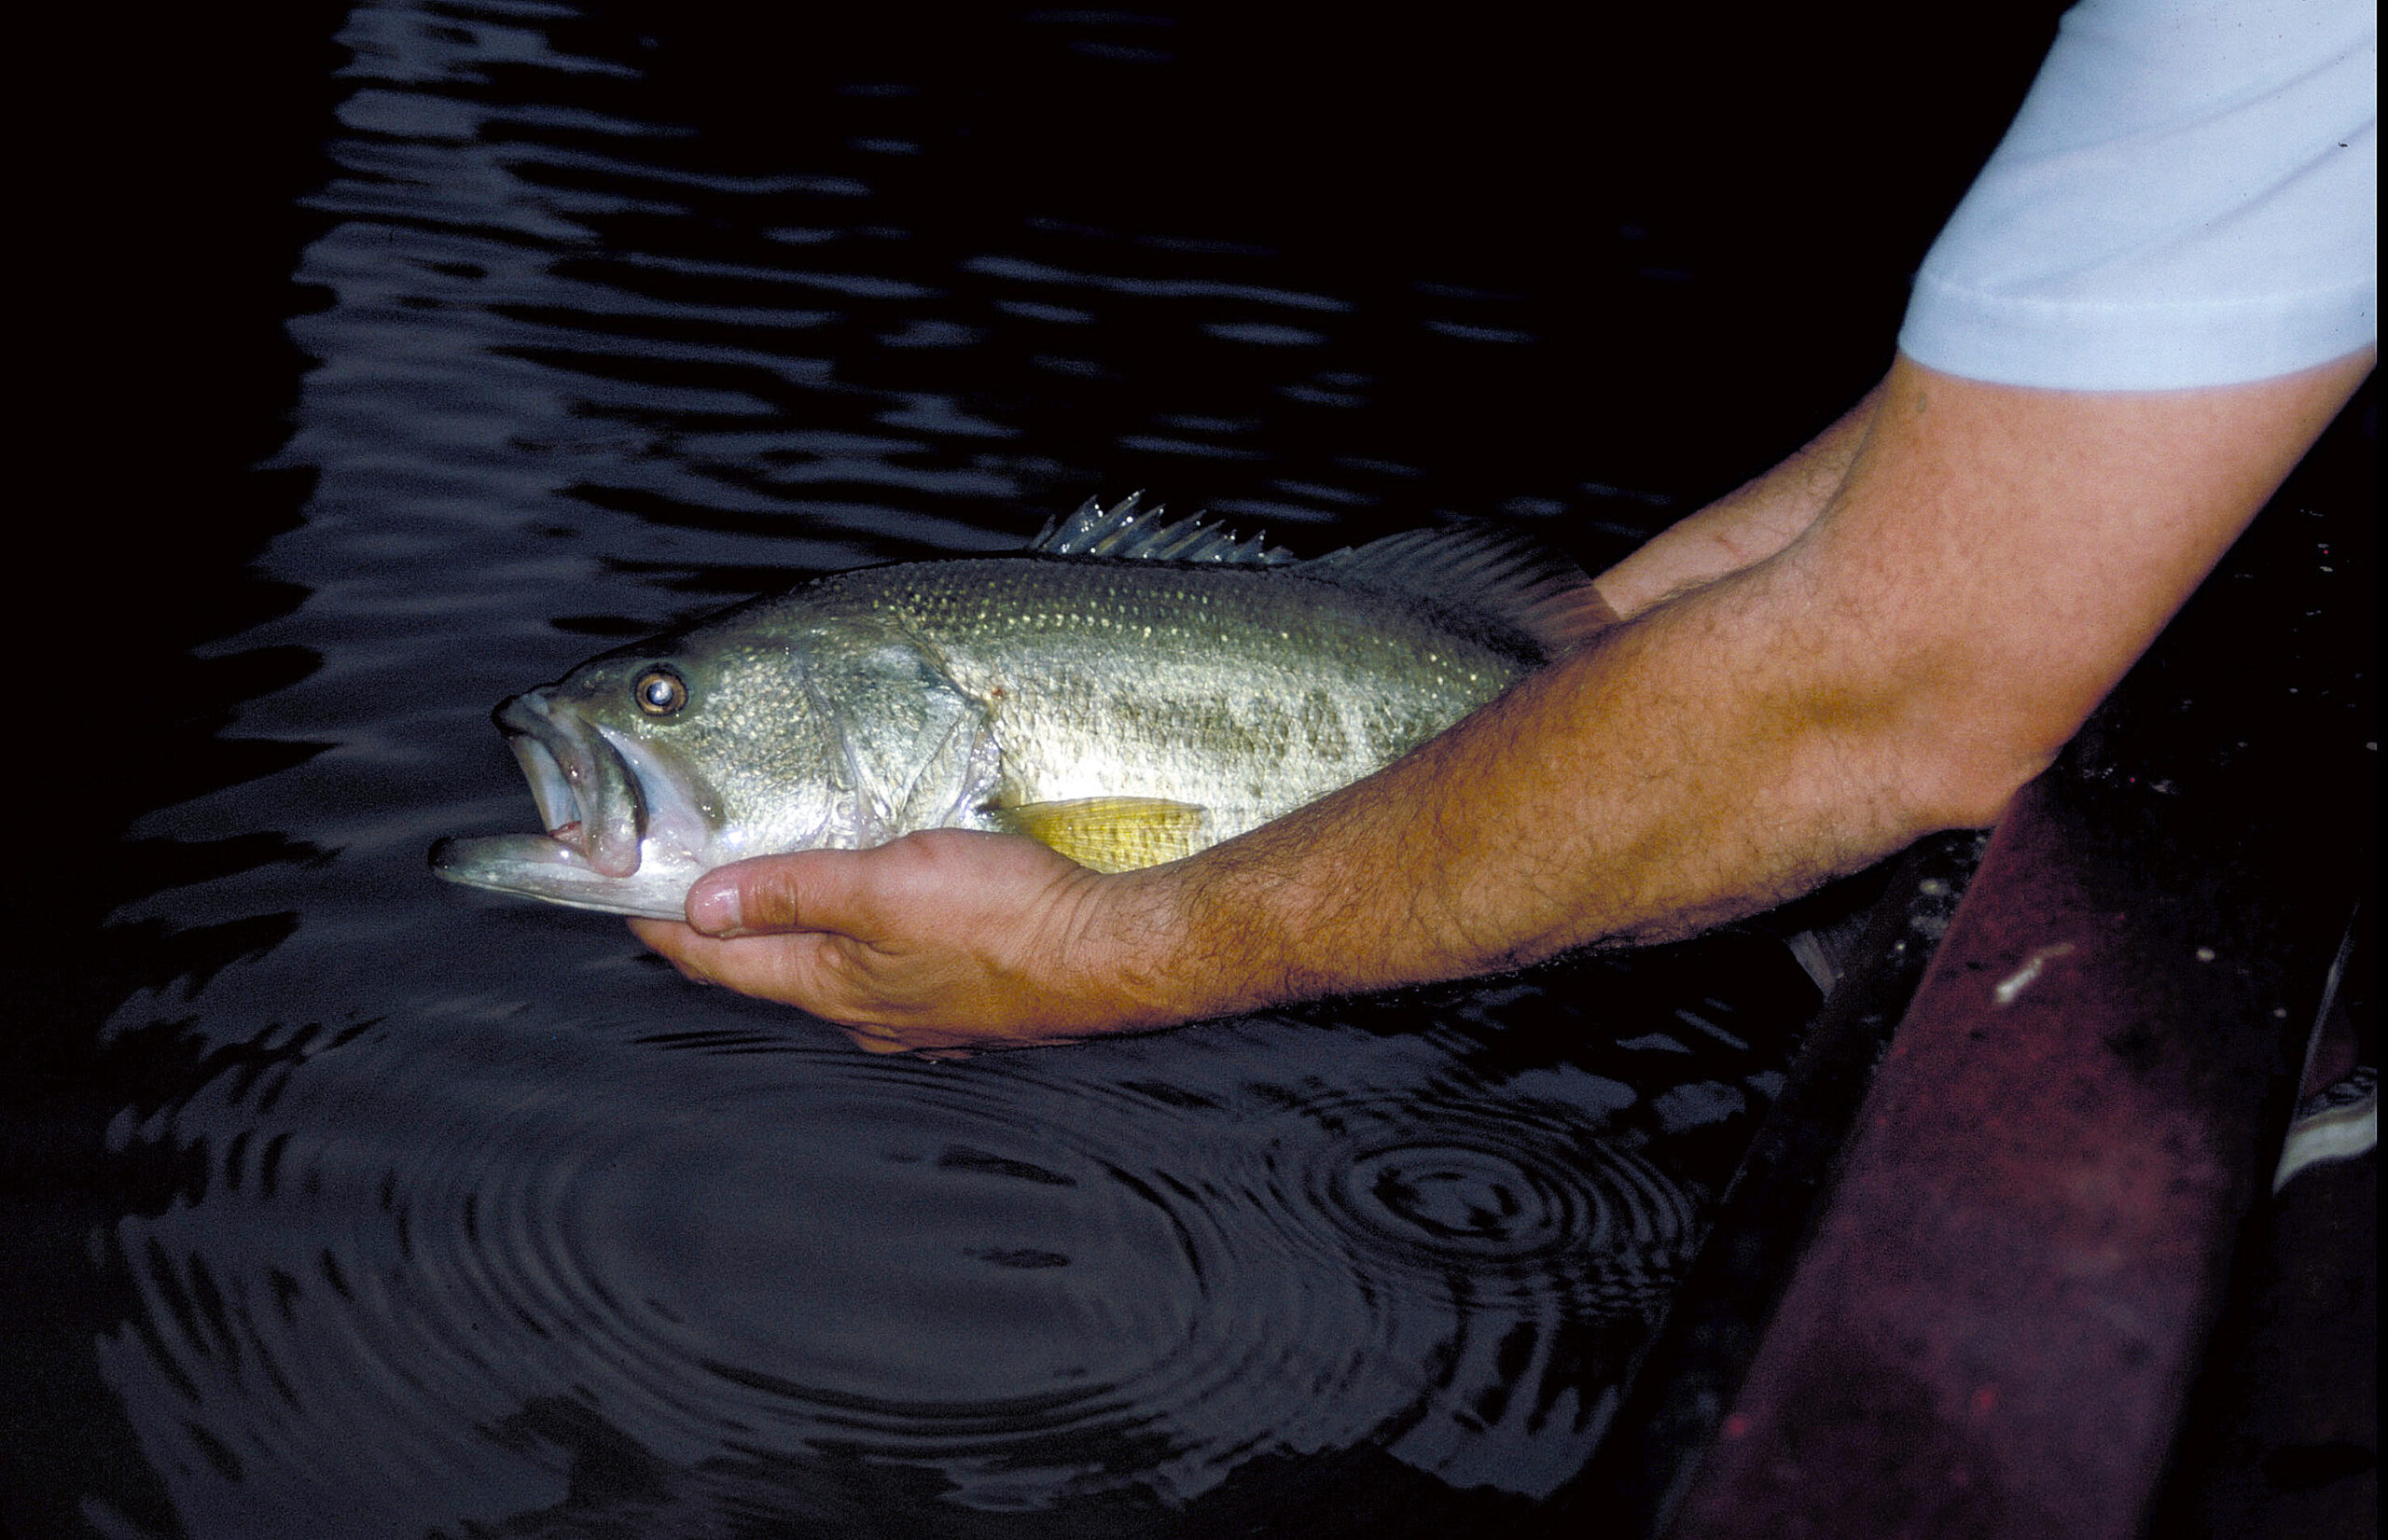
1126 690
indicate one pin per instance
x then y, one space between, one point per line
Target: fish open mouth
627 828
588 797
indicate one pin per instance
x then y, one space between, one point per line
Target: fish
1126 689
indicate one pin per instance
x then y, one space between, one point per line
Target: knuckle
908 860
837 972
769 893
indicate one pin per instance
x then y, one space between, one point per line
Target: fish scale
1123 706
1247 692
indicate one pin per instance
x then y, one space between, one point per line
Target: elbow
1970 790
1962 765
1944 739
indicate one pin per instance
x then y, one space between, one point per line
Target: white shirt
2188 197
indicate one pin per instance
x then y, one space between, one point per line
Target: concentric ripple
1474 1206
1033 1279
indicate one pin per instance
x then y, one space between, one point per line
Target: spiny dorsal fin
1111 833
1500 574
1133 529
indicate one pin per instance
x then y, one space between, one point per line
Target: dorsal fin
1133 529
1500 574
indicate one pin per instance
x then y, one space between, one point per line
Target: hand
942 940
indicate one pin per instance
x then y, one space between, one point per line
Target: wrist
1134 954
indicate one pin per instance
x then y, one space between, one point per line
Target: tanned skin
1887 635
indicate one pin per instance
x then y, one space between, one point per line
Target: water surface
446 1214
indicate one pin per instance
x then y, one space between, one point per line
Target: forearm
1994 561
1710 787
1482 851
1745 526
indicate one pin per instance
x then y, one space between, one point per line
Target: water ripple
1036 1283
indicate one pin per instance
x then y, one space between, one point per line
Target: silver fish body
1102 691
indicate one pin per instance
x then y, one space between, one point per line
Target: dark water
360 1205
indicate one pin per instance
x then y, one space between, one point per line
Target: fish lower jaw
568 847
536 866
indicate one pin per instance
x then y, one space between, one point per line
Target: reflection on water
459 1216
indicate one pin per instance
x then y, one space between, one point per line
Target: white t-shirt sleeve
2188 197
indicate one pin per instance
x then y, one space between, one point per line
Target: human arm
1745 526
1993 560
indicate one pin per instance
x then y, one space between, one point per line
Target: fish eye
659 692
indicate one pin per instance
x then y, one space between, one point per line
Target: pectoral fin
1113 833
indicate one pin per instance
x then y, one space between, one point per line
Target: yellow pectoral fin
1113 833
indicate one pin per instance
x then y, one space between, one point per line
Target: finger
788 968
657 935
675 943
803 890
710 959
663 938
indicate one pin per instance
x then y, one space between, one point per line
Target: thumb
768 895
